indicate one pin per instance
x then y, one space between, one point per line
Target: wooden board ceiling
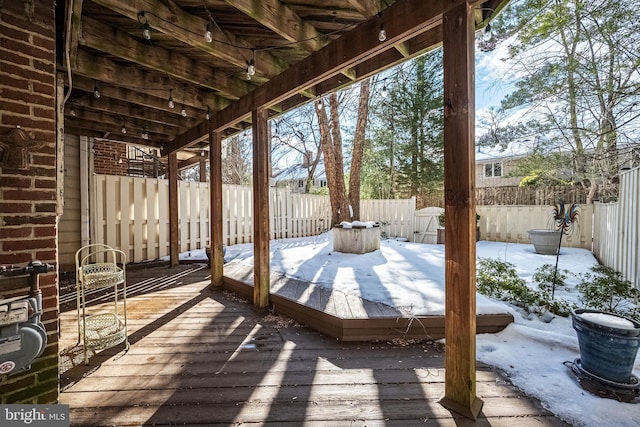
105 49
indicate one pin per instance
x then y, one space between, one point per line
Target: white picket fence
616 226
501 223
133 215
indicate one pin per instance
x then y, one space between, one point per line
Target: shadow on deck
202 356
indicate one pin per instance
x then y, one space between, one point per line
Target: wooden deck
204 357
347 317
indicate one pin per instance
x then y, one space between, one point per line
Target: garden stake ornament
564 217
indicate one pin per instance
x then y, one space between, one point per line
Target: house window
492 170
301 183
322 183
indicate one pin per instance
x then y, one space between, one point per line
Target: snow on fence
616 226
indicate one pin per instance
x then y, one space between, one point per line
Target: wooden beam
403 20
133 135
366 8
141 85
111 122
195 159
190 29
282 20
140 113
75 30
174 197
261 234
460 239
119 43
215 194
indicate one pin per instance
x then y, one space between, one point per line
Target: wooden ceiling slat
190 29
120 44
403 21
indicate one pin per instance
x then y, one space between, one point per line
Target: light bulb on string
384 92
487 35
73 110
96 92
171 103
208 116
146 31
183 111
382 34
248 74
251 68
208 35
124 129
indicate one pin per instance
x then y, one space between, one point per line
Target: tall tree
578 69
344 207
408 129
297 132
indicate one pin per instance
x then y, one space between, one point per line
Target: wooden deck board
203 357
349 317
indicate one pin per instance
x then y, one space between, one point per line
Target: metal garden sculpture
564 218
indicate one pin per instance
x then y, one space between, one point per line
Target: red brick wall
28 197
107 156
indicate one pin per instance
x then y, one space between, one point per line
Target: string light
73 110
384 91
208 116
487 35
96 92
382 34
183 111
124 128
172 105
146 31
208 35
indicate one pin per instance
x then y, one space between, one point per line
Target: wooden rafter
119 43
190 29
404 20
75 30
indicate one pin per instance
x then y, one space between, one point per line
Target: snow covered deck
344 316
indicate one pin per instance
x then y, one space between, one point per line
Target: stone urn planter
608 346
545 242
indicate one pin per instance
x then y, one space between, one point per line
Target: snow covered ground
411 276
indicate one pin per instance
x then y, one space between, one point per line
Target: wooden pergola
325 64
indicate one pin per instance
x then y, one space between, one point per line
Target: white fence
617 229
511 223
133 215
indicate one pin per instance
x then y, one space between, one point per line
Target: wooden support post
460 238
174 244
202 165
261 159
215 191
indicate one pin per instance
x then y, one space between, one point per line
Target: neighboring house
493 165
295 177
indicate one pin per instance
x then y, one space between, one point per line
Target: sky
410 276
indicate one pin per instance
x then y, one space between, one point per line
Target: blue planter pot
607 350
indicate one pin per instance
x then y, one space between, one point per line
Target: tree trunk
358 149
333 164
